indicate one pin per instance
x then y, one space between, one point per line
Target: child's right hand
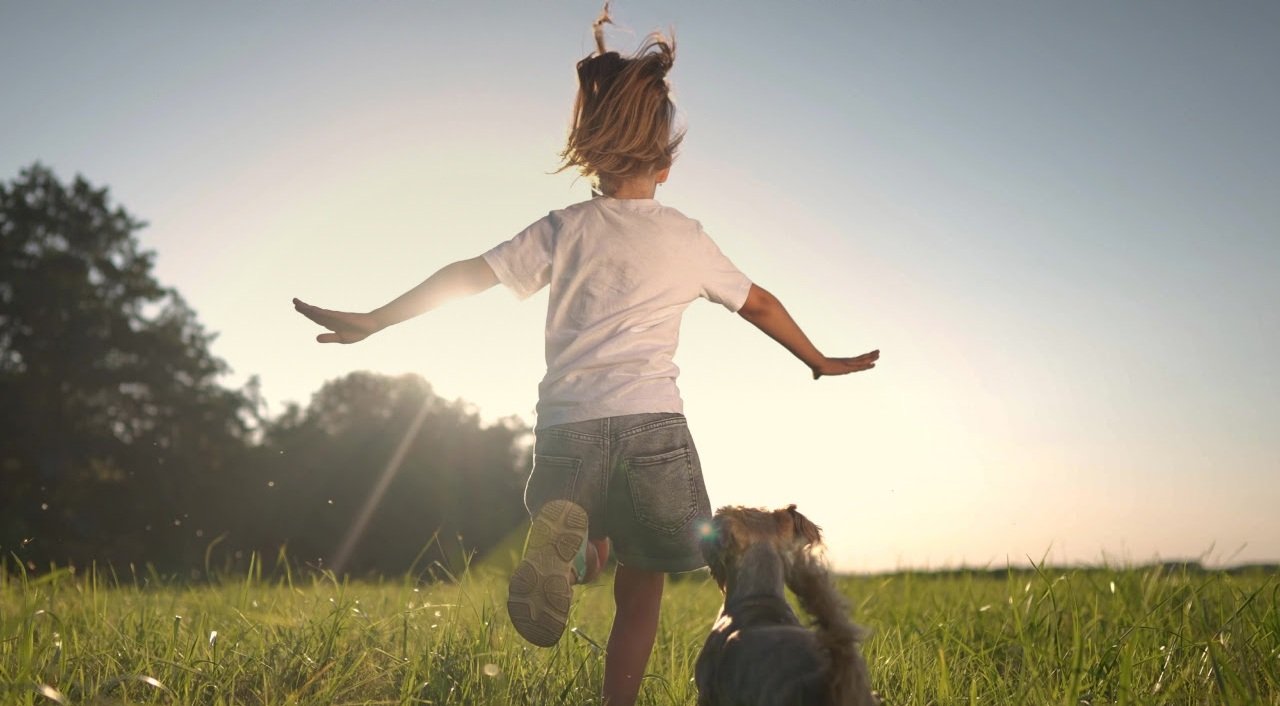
345 326
844 366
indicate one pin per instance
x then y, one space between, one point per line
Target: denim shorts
639 480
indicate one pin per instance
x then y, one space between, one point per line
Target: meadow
1033 635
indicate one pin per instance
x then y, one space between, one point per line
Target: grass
1097 636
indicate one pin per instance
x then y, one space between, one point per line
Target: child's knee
637 589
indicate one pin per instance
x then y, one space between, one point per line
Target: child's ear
811 533
662 175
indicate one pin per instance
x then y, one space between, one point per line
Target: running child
615 468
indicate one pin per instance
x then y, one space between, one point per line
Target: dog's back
769 665
758 653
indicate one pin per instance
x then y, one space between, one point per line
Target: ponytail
623 117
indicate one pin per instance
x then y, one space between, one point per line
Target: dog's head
733 529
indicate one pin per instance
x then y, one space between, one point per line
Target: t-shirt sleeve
722 282
523 263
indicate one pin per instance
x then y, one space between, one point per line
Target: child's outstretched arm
764 311
459 279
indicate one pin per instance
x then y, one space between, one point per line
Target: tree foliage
456 478
120 444
114 418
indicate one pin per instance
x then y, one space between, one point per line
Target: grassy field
1038 636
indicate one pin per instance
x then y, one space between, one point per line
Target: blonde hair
623 117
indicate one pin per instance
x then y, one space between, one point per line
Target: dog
758 653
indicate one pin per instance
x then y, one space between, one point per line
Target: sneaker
541 588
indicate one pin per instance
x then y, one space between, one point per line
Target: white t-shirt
621 272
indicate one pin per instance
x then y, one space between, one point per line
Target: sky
1058 222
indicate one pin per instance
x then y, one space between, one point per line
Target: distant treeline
119 445
1189 568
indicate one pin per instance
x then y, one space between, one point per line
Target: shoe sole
541 588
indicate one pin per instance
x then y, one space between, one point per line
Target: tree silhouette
118 443
457 478
115 428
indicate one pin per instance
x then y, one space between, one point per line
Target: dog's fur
758 653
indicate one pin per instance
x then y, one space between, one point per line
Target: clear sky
1060 222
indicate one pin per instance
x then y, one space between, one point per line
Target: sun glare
352 539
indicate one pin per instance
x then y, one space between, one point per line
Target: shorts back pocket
553 478
663 493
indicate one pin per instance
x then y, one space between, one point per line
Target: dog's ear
811 533
713 541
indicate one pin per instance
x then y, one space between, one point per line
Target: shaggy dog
758 653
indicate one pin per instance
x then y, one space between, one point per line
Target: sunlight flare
352 538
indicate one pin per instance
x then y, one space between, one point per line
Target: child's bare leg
637 595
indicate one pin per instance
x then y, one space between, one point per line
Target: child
614 464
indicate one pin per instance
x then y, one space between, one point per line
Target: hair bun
596 73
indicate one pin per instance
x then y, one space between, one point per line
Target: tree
457 478
118 444
116 431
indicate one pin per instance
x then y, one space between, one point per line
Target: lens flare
352 538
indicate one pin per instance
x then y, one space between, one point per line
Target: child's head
623 118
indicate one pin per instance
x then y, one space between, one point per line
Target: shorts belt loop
607 464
